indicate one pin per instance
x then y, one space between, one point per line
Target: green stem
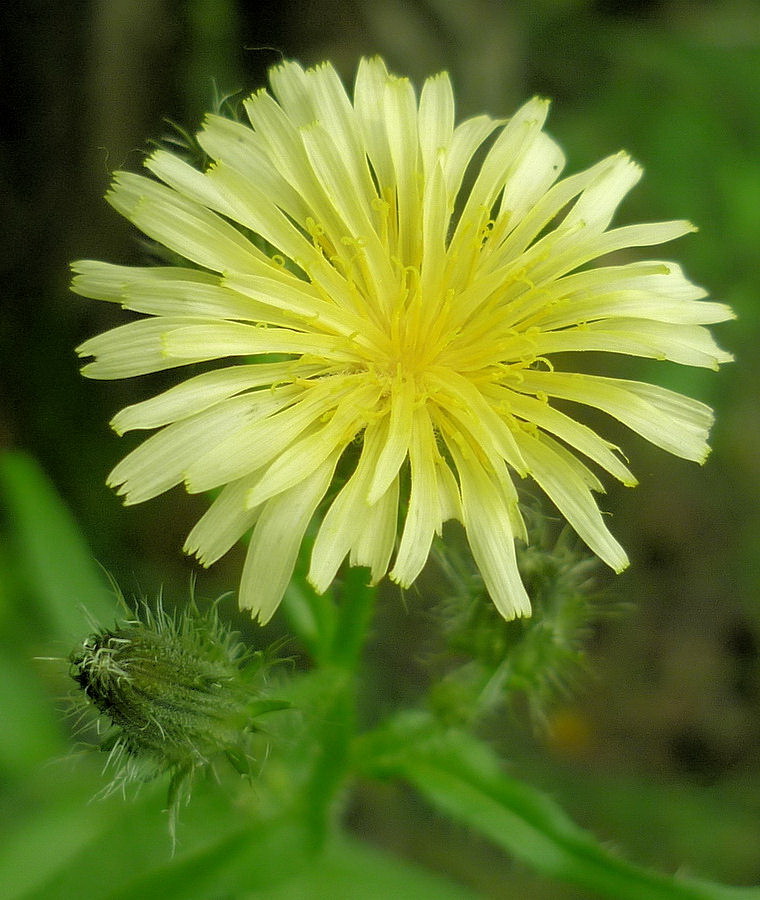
333 735
337 725
357 603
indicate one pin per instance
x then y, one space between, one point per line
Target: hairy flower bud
179 690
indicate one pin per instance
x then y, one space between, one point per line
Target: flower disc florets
404 311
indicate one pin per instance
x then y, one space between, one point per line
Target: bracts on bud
179 691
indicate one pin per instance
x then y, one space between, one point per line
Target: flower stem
337 716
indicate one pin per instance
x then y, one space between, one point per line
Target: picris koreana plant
381 307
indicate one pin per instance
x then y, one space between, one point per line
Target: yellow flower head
405 313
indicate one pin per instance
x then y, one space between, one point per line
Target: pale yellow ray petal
239 147
449 497
160 462
689 345
639 304
519 131
669 420
396 446
259 441
423 517
318 96
204 390
577 435
546 208
533 173
460 399
309 450
303 304
136 348
376 534
565 481
355 211
189 298
276 540
650 275
467 138
597 203
337 533
210 340
436 216
371 78
488 524
400 116
187 181
564 251
283 143
223 523
106 281
436 120
182 225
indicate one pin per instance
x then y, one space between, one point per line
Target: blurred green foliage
661 754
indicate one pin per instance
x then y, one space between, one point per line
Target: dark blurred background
661 752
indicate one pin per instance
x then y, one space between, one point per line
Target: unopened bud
179 691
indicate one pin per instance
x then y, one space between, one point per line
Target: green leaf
249 859
54 558
351 869
461 777
53 829
30 731
271 861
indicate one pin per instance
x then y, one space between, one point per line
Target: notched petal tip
155 156
115 424
398 578
81 267
94 371
129 419
82 351
123 491
544 102
319 585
